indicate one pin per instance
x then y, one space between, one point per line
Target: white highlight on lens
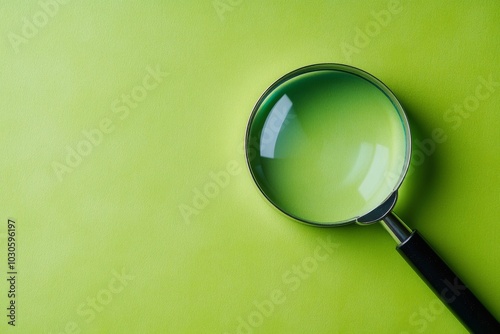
374 179
363 158
273 125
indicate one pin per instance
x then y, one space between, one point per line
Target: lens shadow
425 168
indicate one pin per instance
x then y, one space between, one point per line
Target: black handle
447 286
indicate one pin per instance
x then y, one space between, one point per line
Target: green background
120 209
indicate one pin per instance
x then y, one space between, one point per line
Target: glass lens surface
327 146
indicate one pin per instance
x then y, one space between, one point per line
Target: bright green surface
327 146
135 205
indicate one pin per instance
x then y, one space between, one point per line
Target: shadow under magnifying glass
424 172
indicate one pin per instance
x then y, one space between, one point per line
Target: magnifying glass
329 145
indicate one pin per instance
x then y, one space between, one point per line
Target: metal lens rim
330 67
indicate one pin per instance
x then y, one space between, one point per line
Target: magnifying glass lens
328 146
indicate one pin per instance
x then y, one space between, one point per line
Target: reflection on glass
374 178
327 141
273 125
363 158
